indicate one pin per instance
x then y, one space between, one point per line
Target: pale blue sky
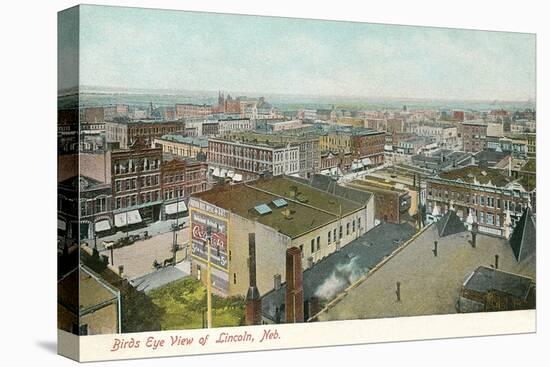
161 49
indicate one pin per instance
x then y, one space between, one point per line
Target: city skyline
267 55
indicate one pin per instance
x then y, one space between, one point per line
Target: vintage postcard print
234 183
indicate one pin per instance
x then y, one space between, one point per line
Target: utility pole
209 278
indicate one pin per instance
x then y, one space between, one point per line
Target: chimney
435 249
398 291
121 271
277 281
253 311
474 234
294 305
496 261
314 306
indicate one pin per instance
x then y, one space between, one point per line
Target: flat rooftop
311 208
429 285
338 270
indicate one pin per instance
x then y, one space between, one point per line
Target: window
334 235
341 231
329 237
234 278
302 250
347 229
489 218
482 200
318 243
353 226
312 245
359 223
497 218
481 217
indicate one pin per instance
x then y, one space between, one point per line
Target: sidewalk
154 229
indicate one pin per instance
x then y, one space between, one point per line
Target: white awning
102 225
223 172
124 219
238 177
366 161
216 172
230 174
355 166
174 208
61 224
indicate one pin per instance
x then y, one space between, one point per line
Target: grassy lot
183 302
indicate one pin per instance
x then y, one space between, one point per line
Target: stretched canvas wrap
237 183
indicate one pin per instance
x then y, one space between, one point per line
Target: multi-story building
360 145
136 185
92 114
392 205
283 212
254 157
444 135
185 110
308 144
180 178
483 195
118 110
473 135
128 133
230 125
182 146
396 125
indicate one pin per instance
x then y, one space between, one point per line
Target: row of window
131 200
131 166
132 183
333 236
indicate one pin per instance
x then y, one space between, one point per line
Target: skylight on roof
279 203
262 209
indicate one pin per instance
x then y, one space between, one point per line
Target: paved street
138 258
154 229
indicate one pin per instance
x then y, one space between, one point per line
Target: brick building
180 178
127 133
185 110
473 135
483 195
136 185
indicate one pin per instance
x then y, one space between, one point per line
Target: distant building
182 146
255 157
474 136
116 111
128 133
92 114
186 110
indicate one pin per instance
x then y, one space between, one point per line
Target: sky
163 49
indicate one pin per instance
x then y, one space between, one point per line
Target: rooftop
337 271
485 279
473 173
429 284
200 142
307 209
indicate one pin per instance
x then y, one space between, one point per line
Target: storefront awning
238 177
174 208
127 218
230 174
216 172
223 172
355 166
366 161
61 224
102 225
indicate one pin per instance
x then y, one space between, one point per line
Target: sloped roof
450 224
523 239
485 279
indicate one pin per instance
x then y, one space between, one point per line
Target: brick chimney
294 305
253 309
